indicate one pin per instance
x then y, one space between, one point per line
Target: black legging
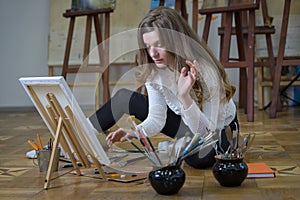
134 103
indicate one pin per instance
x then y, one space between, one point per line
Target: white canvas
38 87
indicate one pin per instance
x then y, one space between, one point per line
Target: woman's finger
183 71
189 63
109 136
193 76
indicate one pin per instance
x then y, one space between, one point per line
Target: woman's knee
123 92
121 98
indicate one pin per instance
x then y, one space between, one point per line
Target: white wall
23 47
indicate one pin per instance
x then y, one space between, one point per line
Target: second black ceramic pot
230 172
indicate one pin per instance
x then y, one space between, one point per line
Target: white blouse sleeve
195 119
213 111
215 115
157 114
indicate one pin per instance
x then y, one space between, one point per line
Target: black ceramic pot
230 172
167 180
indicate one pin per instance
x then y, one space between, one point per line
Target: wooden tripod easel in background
63 122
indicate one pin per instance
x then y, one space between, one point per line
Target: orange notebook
260 170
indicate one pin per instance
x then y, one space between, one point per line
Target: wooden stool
267 29
246 63
103 49
265 80
245 25
281 61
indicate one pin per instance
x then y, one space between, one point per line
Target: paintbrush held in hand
142 136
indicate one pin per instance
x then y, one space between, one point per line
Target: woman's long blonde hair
183 43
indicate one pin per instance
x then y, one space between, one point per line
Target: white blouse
162 93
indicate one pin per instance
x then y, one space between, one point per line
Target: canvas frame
38 87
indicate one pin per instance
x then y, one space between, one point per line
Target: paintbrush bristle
131 118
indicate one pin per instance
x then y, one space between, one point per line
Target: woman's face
161 57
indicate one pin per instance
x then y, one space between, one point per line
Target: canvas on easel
66 121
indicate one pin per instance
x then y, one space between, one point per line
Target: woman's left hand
119 135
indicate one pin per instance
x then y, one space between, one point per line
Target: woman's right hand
119 135
185 83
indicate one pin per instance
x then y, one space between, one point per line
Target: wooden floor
277 143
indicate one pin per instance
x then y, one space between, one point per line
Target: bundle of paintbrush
196 145
148 148
178 152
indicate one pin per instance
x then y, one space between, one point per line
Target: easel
243 14
102 45
275 104
63 122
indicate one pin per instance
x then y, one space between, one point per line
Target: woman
187 87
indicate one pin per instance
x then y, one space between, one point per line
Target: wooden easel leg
68 47
100 44
99 167
53 154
